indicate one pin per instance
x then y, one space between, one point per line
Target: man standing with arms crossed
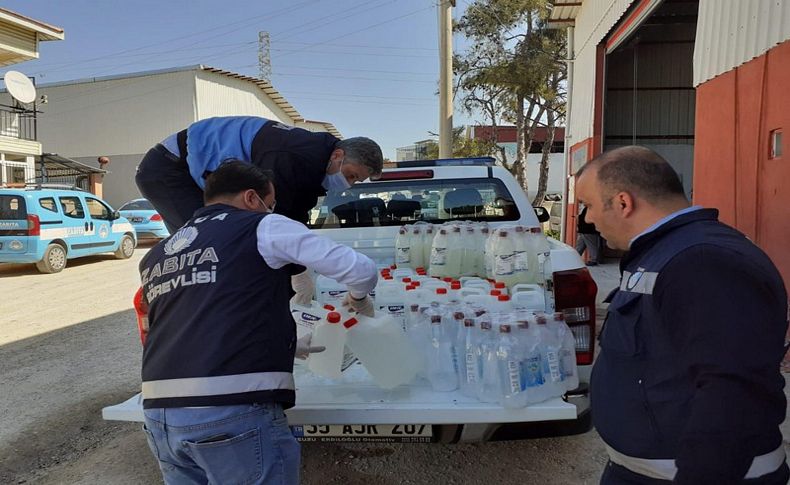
218 359
687 387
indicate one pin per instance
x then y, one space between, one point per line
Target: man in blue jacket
305 164
218 359
687 387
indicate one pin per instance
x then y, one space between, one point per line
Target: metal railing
18 124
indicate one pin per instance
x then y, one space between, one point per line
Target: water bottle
469 372
417 251
550 348
504 259
521 255
331 335
439 255
488 387
455 253
532 380
510 380
570 373
428 234
486 269
329 291
442 360
403 248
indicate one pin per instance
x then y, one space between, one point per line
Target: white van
366 217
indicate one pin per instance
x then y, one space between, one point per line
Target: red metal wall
733 170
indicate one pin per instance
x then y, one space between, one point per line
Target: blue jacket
220 328
690 351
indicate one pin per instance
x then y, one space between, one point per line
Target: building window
776 143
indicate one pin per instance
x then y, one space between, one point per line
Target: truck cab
367 217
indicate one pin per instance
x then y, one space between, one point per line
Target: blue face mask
335 182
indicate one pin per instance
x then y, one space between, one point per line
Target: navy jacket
220 327
690 351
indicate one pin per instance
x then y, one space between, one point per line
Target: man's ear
625 203
337 155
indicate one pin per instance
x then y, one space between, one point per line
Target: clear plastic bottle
455 252
439 255
488 389
442 361
331 335
550 348
510 380
570 373
521 259
504 259
532 379
428 234
403 248
544 266
469 372
485 248
417 251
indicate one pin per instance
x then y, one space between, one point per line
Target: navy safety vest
221 331
641 394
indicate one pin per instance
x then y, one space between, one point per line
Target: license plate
135 219
376 433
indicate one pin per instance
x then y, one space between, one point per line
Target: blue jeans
244 444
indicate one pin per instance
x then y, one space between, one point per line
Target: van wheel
54 259
125 248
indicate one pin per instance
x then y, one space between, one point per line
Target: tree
513 72
463 147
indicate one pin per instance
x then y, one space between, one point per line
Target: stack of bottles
508 254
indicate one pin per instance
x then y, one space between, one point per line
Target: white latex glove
303 285
363 306
303 348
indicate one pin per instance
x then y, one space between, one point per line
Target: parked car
553 204
48 226
146 221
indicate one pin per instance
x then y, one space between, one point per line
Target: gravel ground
69 346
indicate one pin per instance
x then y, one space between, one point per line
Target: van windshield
12 208
404 201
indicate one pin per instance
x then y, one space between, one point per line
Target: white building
123 116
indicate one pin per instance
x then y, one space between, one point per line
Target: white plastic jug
528 296
391 299
328 333
383 349
329 291
306 317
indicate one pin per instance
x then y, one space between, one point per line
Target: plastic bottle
417 251
521 258
488 389
428 233
528 296
392 301
545 275
570 372
329 291
504 259
330 334
485 249
532 380
306 317
439 254
550 348
442 360
510 380
455 253
469 372
403 248
382 349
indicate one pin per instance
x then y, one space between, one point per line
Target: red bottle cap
441 291
333 317
350 322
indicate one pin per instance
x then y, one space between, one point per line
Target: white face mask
336 182
266 208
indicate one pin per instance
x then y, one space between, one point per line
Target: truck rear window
12 208
405 201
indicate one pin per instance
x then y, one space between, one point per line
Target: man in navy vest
305 164
218 360
687 386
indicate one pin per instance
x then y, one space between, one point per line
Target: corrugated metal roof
733 32
330 128
564 11
45 31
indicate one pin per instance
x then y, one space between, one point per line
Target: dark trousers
165 181
615 474
590 242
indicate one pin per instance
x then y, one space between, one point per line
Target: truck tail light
574 294
141 311
33 225
156 217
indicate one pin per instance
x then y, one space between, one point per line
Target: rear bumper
13 257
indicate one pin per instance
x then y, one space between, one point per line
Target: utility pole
264 58
446 78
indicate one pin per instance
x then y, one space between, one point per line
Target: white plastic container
439 254
329 291
383 349
528 296
328 333
391 299
417 254
428 233
403 248
306 317
505 259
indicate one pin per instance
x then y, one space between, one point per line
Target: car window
48 203
137 205
12 207
98 210
399 202
72 207
556 209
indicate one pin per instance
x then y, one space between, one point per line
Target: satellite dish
20 87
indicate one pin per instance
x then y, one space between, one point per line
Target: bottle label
348 359
514 376
402 256
567 362
554 366
531 375
472 367
439 256
520 261
504 264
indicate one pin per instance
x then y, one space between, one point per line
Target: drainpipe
568 135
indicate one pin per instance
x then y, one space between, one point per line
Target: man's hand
303 285
303 348
363 306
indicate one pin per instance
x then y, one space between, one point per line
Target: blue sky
368 66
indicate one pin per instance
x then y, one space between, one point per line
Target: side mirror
115 215
542 213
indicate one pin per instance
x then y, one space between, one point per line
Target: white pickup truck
366 217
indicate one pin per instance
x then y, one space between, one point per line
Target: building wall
736 113
731 32
220 95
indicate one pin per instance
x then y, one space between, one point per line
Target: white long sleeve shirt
282 241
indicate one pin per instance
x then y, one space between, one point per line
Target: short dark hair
235 176
365 152
638 170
